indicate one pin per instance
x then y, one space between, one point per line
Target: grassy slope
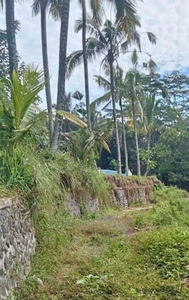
136 254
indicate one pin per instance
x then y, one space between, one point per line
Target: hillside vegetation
138 125
141 253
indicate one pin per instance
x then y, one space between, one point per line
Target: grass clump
172 208
164 193
81 180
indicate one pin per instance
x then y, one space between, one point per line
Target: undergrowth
101 259
171 208
47 175
113 255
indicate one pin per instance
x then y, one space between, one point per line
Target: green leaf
134 58
81 281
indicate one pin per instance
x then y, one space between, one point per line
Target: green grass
113 255
171 209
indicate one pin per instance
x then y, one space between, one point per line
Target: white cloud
167 19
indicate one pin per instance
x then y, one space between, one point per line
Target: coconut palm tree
11 34
96 7
108 40
85 62
41 6
120 94
125 11
149 105
139 95
64 16
133 78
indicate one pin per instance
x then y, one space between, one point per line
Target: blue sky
165 18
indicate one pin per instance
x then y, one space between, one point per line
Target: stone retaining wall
17 245
124 191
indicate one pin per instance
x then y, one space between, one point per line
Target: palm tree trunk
148 157
46 66
11 36
124 140
114 115
62 70
136 138
85 62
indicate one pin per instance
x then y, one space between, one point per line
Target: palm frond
152 66
73 60
92 27
134 58
72 118
124 46
93 49
97 10
100 101
126 8
102 82
135 39
96 140
28 123
78 25
21 96
105 145
36 7
152 38
30 114
55 8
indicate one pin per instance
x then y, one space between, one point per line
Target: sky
167 19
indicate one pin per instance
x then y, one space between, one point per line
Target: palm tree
86 145
125 11
106 40
95 6
65 10
140 88
11 34
149 105
120 96
41 6
85 62
149 108
135 89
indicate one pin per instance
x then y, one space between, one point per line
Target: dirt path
124 219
